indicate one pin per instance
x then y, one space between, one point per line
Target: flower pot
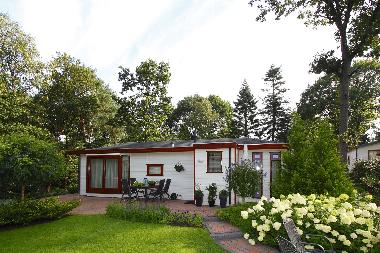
198 201
211 203
223 202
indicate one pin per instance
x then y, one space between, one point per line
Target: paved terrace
228 236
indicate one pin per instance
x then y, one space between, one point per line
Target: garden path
226 235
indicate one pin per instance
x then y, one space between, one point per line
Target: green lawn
98 233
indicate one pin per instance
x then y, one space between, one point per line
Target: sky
210 45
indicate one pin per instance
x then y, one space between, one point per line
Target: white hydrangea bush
351 224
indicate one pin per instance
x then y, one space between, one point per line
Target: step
241 245
227 236
210 218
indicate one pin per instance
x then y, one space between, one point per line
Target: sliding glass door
104 174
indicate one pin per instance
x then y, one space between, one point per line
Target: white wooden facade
363 152
194 160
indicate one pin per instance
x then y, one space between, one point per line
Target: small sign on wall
200 161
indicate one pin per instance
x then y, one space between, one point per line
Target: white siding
182 182
82 174
204 179
360 153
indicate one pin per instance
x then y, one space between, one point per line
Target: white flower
246 236
344 197
263 217
263 198
254 223
310 215
357 211
347 205
244 214
332 218
334 233
342 238
316 220
347 242
266 227
260 238
309 247
251 241
366 213
353 236
276 225
299 222
250 210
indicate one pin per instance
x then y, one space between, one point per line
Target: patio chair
166 188
158 192
134 190
296 241
126 190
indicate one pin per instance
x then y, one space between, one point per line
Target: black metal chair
158 192
296 241
126 190
166 188
134 190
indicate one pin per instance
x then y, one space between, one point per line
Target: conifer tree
276 113
245 120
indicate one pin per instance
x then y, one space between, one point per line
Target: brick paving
228 236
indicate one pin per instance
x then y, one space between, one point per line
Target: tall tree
77 104
194 114
224 110
146 106
276 113
245 120
20 67
321 100
357 29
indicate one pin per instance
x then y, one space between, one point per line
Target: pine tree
276 113
245 121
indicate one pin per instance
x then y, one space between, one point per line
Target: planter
198 201
211 203
223 202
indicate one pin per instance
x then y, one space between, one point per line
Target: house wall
360 153
266 168
182 182
204 179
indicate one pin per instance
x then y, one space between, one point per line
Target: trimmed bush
351 224
312 165
366 175
28 211
152 214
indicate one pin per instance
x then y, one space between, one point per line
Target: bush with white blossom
351 224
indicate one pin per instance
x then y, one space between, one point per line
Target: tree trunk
22 192
344 104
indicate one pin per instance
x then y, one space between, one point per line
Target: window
275 165
214 162
373 154
257 162
154 169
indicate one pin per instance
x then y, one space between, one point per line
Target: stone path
231 238
226 235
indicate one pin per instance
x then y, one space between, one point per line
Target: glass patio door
104 174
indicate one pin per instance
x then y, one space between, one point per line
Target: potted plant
223 194
212 190
151 183
179 167
198 195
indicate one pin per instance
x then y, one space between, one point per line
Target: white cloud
211 45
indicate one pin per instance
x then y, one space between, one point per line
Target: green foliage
245 121
77 104
194 114
223 194
28 211
312 163
244 179
152 214
321 100
20 68
145 106
212 190
27 162
366 175
198 192
276 114
223 108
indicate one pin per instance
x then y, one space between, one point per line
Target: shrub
25 212
212 190
366 174
312 164
152 214
244 179
351 224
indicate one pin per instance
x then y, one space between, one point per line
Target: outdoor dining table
146 188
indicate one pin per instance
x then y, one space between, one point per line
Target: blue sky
211 45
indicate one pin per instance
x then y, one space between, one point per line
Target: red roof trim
264 146
214 145
131 150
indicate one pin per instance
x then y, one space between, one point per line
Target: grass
98 233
